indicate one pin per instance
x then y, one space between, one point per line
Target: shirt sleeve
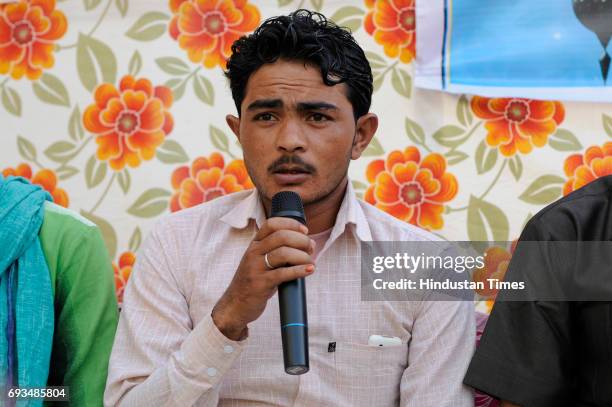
159 358
443 338
86 318
525 351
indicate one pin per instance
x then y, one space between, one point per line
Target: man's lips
290 175
291 170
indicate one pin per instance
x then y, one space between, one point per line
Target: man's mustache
294 161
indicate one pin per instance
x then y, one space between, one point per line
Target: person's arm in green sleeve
86 316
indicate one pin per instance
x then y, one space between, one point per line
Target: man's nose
291 137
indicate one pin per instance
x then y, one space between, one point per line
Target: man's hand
289 251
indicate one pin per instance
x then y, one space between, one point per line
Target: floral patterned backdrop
117 107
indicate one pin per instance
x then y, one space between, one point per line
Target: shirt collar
249 208
350 212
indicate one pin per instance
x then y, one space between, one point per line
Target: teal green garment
21 216
86 312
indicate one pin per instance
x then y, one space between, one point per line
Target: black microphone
292 295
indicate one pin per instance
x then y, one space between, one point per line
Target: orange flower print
129 122
207 179
122 273
581 169
46 178
411 189
392 23
518 124
28 30
496 261
206 29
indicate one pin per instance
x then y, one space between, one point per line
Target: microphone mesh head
288 204
286 201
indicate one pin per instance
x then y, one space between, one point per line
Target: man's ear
234 123
364 132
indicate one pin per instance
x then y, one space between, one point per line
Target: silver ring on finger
268 265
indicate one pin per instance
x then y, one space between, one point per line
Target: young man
555 353
200 323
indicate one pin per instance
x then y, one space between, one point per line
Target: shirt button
212 372
228 348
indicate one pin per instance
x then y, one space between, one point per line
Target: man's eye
264 117
318 117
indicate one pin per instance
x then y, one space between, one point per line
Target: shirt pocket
370 375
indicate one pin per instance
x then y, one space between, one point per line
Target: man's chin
309 189
300 189
304 190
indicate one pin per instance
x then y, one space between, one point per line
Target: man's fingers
285 238
284 274
271 225
288 256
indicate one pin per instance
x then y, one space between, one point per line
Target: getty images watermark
507 271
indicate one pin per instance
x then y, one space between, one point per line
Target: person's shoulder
599 190
66 231
565 218
202 215
61 221
385 227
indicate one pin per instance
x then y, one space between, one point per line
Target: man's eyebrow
306 106
265 104
302 106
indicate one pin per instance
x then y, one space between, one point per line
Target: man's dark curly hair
308 37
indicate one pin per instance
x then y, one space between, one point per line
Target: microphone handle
294 326
293 317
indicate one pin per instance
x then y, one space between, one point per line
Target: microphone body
292 296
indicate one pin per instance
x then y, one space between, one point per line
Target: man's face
296 132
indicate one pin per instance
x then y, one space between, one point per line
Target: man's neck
321 216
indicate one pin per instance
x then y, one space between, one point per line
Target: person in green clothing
73 287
